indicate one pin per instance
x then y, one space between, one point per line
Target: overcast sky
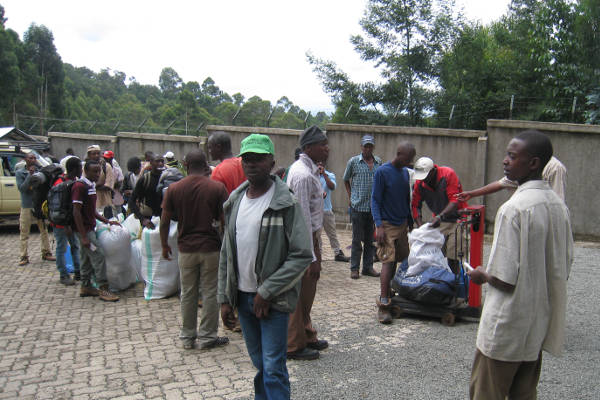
252 47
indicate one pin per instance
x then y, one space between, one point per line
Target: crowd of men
250 247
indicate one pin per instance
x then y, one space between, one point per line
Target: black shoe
305 354
218 342
340 256
66 280
370 272
318 345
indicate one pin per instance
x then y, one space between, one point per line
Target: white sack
115 243
133 226
425 250
135 261
161 275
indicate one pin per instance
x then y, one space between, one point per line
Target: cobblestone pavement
56 345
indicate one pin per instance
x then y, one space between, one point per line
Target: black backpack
60 204
41 184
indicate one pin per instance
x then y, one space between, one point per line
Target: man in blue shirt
328 183
358 179
390 205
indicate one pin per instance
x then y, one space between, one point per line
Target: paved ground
56 345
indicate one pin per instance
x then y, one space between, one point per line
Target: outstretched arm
482 191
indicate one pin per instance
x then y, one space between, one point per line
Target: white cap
422 167
169 154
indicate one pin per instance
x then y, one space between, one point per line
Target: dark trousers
300 329
362 235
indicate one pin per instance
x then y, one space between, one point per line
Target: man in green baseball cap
265 251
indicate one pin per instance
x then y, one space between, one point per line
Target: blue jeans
362 231
266 340
62 238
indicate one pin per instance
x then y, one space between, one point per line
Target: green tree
254 112
10 73
405 39
170 83
40 50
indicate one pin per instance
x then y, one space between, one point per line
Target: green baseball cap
257 143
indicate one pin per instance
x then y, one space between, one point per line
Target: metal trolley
466 303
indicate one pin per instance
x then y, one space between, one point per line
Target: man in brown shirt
196 202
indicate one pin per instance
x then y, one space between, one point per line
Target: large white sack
425 250
136 258
115 243
160 275
133 226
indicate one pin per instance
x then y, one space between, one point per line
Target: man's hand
380 234
166 252
463 196
261 307
227 316
146 222
85 242
478 276
314 270
321 169
436 221
113 223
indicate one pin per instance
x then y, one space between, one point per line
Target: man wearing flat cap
358 179
303 179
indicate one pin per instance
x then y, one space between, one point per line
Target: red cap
108 154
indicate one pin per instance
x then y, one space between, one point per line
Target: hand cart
466 303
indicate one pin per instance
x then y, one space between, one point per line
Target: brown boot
107 295
86 291
48 257
24 261
384 314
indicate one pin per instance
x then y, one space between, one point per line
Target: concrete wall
60 142
475 156
344 142
124 144
463 150
576 146
284 140
136 144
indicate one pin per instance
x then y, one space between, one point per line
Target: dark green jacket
283 255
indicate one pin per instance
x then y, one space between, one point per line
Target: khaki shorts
395 248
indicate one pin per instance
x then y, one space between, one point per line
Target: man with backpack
85 214
24 184
60 214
